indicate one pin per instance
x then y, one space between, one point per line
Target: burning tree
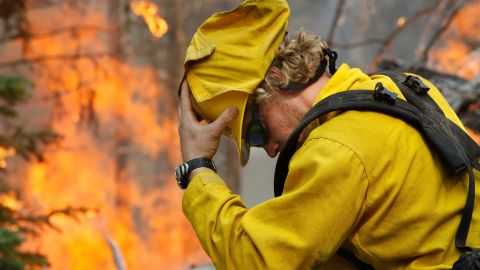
103 83
119 133
15 139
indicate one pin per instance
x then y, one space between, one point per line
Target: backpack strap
383 101
362 100
456 149
463 144
466 151
351 258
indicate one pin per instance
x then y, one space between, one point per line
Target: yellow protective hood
229 56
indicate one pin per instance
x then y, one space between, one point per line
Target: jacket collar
344 79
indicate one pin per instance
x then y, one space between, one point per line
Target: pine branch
13 89
45 220
28 143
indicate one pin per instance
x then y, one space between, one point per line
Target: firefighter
359 181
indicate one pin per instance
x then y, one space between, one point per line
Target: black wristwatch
182 170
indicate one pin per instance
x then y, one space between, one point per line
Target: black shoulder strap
362 100
465 151
457 150
457 143
351 258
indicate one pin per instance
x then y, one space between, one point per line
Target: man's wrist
195 172
186 171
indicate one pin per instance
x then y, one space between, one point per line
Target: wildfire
149 11
458 53
4 153
118 149
9 200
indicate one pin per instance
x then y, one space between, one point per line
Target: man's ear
276 75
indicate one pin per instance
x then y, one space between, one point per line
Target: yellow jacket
363 180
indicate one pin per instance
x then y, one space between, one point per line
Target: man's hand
198 139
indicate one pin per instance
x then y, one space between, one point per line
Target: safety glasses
256 133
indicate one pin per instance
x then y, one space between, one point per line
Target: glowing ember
9 200
4 153
149 11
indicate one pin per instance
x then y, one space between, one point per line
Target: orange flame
4 154
106 111
456 55
149 11
9 200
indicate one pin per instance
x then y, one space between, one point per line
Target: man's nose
271 149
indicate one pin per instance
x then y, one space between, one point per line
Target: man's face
279 116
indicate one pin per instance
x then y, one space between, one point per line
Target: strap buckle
383 94
416 85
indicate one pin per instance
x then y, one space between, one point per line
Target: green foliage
27 143
9 242
13 135
15 224
12 228
11 258
14 89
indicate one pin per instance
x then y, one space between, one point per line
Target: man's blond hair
296 60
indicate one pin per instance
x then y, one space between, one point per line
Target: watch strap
183 170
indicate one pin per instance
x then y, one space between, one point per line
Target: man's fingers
185 103
179 108
224 119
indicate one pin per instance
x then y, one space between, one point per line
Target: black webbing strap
456 149
330 58
361 100
464 226
351 258
294 86
457 142
466 149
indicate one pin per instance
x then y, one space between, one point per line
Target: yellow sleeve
322 202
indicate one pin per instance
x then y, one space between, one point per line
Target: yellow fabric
228 58
363 179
